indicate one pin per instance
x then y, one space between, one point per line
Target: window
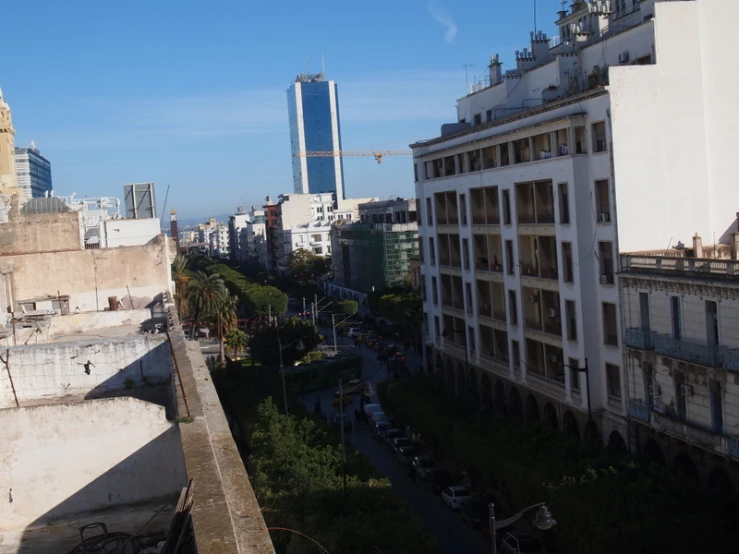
468 297
507 207
644 310
613 376
516 350
429 216
510 262
466 253
602 201
512 307
449 167
437 328
463 209
649 383
605 250
473 158
434 291
569 276
489 116
676 318
574 374
461 164
432 252
415 172
571 319
478 118
471 335
717 406
489 159
564 204
581 147
599 137
681 401
712 337
610 328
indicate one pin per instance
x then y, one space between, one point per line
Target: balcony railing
639 338
731 360
734 447
638 409
711 356
695 267
688 431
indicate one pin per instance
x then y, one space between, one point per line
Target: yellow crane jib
377 154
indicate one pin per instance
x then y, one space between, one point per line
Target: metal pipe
493 537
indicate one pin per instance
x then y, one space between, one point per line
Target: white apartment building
219 241
681 318
248 235
314 236
616 119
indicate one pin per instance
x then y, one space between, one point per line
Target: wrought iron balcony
639 338
638 409
731 360
711 356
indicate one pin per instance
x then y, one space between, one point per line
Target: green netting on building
374 255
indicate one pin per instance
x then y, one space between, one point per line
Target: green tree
181 278
205 294
346 307
307 267
264 342
236 341
224 319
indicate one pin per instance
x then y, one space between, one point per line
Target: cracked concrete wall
50 232
89 368
64 459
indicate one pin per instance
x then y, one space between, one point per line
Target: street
451 533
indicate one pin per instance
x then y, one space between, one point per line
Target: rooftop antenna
323 64
466 78
307 63
535 29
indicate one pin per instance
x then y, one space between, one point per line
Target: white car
454 496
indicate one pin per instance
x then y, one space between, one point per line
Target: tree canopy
264 342
307 267
255 299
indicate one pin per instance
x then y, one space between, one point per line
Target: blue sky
192 94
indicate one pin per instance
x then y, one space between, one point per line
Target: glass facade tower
33 172
313 111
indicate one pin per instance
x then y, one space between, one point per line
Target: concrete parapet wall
64 459
89 368
31 233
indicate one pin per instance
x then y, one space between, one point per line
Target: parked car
390 435
370 409
336 400
440 480
425 466
454 496
337 420
405 454
400 442
515 542
355 386
475 511
379 428
377 417
354 331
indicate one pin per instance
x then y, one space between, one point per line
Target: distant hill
191 221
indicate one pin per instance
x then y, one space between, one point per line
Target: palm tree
225 320
180 278
205 294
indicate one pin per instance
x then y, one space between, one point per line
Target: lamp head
544 519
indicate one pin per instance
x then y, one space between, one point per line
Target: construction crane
378 154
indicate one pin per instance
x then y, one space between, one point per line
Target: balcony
731 360
643 339
688 431
711 356
638 409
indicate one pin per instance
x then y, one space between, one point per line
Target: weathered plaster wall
28 234
64 459
89 368
89 277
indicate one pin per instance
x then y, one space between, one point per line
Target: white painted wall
50 371
65 459
675 127
131 232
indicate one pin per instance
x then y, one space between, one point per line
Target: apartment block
681 319
547 173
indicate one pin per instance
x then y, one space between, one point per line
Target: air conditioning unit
623 57
655 391
686 390
533 299
553 312
604 217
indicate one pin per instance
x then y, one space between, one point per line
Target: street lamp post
543 521
299 345
584 370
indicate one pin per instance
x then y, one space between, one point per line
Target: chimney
697 246
496 74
